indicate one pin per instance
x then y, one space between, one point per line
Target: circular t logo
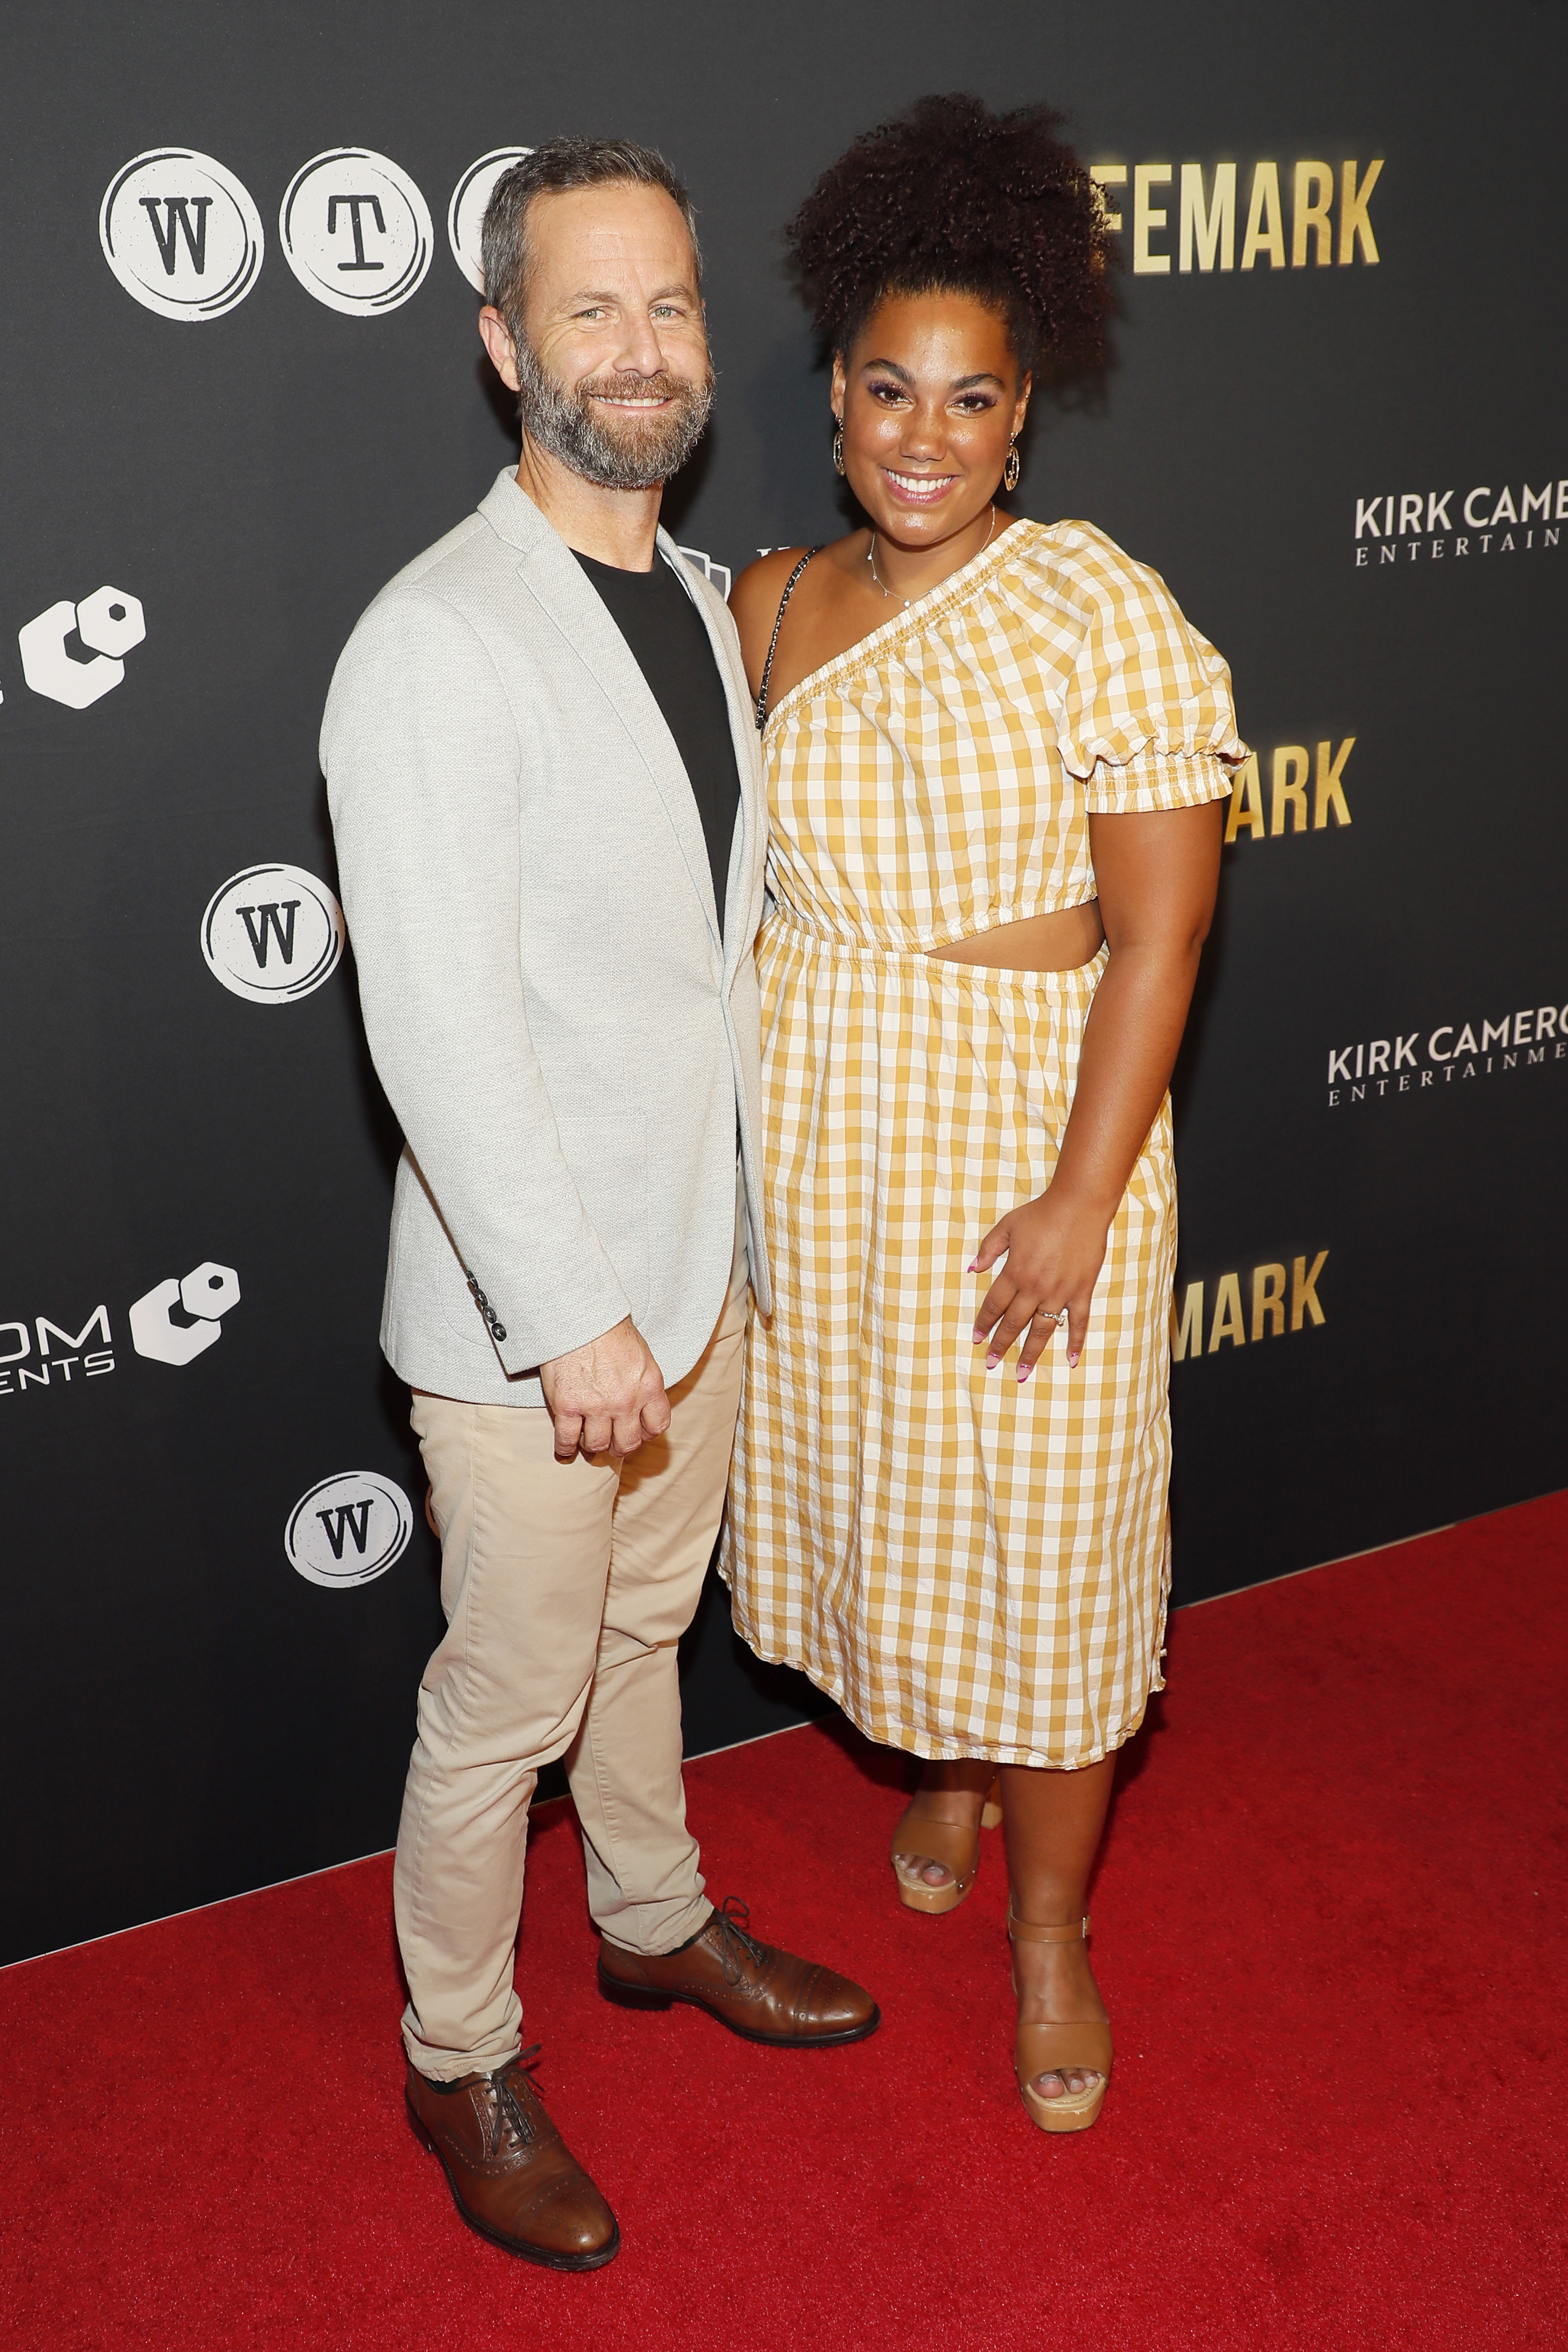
465 212
348 1530
180 233
272 934
355 231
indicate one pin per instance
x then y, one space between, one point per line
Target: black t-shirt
669 644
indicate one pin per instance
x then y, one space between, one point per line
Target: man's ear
496 337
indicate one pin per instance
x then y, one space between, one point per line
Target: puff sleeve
1148 721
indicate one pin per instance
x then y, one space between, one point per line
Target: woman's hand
1053 1252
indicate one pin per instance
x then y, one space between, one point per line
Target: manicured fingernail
1023 1370
974 1265
978 1337
992 1363
1071 1360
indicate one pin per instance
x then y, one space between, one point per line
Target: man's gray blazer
565 1040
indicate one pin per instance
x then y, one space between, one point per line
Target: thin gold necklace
891 594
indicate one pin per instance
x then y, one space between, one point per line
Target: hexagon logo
272 934
109 622
180 233
356 231
465 212
348 1530
203 1298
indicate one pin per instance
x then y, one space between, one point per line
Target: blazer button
500 1330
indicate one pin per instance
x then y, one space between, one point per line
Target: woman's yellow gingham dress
970 1567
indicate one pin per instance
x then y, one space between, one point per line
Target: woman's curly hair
950 196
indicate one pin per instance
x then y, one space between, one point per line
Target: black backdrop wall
1334 423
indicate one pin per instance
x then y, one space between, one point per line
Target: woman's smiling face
931 395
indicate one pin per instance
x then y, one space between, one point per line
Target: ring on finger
1059 1317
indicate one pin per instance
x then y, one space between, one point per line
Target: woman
996 755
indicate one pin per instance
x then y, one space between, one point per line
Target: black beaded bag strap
772 641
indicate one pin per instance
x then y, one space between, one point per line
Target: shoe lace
735 1946
512 2111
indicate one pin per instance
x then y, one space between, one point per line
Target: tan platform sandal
956 1849
1051 2049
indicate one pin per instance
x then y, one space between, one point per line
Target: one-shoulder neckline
917 615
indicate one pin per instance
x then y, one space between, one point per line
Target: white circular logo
272 934
356 231
465 212
180 233
348 1530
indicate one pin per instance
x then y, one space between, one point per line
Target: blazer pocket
609 1160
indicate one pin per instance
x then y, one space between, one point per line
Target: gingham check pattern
969 1567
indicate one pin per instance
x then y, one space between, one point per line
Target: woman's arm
1157 876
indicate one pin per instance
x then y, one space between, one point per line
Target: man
545 787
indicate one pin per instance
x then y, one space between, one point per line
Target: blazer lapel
750 830
553 576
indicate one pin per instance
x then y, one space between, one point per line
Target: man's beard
637 452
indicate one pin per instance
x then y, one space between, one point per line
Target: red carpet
1330 1926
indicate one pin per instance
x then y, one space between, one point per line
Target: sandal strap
1047 2049
1023 1933
954 1848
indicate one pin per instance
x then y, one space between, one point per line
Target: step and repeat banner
244 386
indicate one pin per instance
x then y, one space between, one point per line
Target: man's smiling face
611 352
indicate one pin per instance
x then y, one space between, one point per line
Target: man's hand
606 1397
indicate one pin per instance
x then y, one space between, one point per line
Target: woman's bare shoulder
754 602
761 584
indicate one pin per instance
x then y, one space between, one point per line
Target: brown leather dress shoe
767 1995
513 2178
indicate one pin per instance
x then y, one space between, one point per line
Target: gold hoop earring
1012 468
839 451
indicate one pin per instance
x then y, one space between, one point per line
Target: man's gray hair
553 170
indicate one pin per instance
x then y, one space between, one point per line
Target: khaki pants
566 1587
